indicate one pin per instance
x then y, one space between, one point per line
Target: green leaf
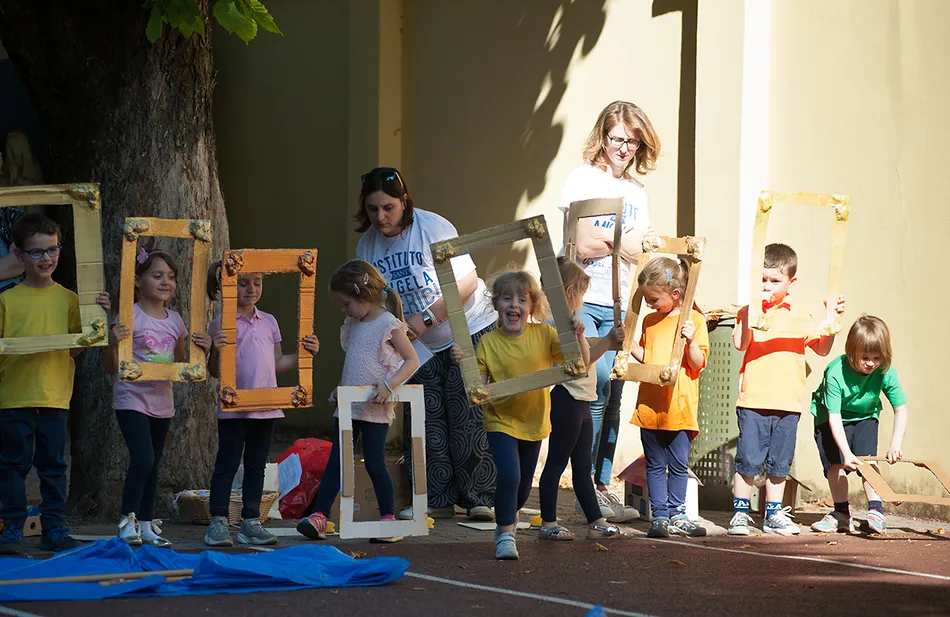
231 18
259 13
154 28
184 16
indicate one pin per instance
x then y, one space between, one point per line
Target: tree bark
137 119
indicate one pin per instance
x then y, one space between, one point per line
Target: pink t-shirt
255 364
370 356
153 340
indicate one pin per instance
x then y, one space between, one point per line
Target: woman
622 142
459 467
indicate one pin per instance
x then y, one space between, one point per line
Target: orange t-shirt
773 368
666 408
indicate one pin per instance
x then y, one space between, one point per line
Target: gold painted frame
887 493
90 278
303 261
831 324
200 231
533 229
690 249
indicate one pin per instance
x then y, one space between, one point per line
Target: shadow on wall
484 145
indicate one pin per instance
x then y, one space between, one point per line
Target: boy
771 392
35 389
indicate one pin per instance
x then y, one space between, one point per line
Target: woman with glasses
396 239
621 144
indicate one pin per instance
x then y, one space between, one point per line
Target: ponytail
214 281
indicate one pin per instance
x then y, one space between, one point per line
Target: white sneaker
605 510
405 514
739 525
781 523
129 530
151 534
619 512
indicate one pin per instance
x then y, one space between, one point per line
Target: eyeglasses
618 142
37 254
383 174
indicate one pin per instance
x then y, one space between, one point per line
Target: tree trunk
137 119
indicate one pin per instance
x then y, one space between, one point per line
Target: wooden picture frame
841 204
303 261
533 229
418 526
90 278
200 231
880 486
587 209
690 250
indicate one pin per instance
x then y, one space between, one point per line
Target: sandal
601 532
555 533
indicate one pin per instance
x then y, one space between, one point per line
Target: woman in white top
459 467
622 142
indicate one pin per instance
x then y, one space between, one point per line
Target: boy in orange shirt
771 395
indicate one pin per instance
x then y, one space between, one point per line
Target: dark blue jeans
667 457
374 457
516 461
33 438
252 437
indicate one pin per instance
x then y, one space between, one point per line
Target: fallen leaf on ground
357 554
461 566
937 532
831 542
677 562
745 546
600 547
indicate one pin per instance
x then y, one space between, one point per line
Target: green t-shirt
852 395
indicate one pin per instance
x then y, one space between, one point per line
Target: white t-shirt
405 261
588 182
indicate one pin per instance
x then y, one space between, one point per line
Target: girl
144 409
571 429
516 425
666 415
846 406
375 338
258 359
621 146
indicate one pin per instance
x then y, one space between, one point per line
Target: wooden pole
101 578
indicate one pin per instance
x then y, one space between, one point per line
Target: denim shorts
861 436
766 437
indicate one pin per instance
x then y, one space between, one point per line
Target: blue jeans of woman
605 411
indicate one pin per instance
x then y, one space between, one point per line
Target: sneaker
218 533
832 522
129 530
505 546
313 527
874 523
405 514
481 513
11 540
605 510
446 512
57 540
659 528
151 534
619 512
252 532
781 523
680 525
739 525
389 539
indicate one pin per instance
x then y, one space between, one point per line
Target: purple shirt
153 340
255 364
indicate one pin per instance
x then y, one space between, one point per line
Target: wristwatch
427 318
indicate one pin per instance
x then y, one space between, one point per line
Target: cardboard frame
689 249
418 526
303 261
90 278
533 229
200 231
841 204
878 483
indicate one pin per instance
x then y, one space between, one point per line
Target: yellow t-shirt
527 415
673 408
40 379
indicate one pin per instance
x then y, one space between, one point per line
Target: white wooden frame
418 526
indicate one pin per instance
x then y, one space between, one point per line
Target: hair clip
365 280
356 288
387 288
142 256
669 276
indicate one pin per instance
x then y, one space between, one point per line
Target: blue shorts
861 437
766 437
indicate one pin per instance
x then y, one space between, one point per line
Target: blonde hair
666 273
516 282
869 334
359 279
572 275
636 122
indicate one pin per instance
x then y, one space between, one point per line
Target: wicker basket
197 508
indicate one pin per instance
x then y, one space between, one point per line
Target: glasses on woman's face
37 254
618 142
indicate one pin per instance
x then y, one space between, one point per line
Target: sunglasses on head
383 174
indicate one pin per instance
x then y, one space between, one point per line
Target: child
771 391
375 338
35 389
846 407
572 430
667 415
258 359
516 425
144 409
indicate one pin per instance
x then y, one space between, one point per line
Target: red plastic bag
314 454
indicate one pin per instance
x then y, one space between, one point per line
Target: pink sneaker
313 527
390 539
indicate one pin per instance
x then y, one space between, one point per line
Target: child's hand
689 331
839 307
202 340
893 455
312 344
220 339
578 326
382 393
456 352
119 332
103 300
617 334
332 397
851 462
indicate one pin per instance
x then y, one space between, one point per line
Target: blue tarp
298 567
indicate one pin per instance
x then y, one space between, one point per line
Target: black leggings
145 438
571 435
251 436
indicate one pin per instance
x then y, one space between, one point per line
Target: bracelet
388 387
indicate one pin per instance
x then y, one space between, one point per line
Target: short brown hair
29 225
636 122
782 257
869 334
